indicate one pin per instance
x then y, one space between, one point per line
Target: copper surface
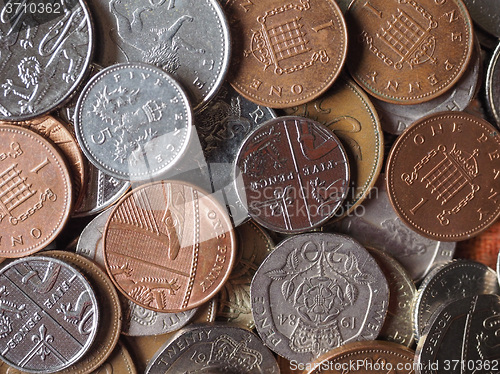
168 246
482 248
120 362
407 52
35 192
285 55
443 176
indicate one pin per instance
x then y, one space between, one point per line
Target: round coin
483 248
120 362
442 176
285 55
133 121
407 52
168 246
50 315
315 292
485 14
292 174
35 191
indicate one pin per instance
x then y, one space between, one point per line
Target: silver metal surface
188 39
133 121
493 85
48 314
44 54
485 14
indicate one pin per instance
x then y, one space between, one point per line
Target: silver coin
48 314
188 39
375 224
493 85
45 49
133 121
213 349
315 292
462 338
137 321
458 279
485 14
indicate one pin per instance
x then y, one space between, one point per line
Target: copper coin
120 362
443 176
408 52
294 174
35 192
483 248
168 246
285 54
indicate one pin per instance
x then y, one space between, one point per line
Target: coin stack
241 186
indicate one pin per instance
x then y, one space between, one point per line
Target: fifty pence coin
316 292
214 349
133 121
52 315
35 191
292 174
45 52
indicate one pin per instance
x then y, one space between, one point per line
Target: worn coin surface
45 52
408 52
120 362
214 349
285 54
462 338
486 14
188 39
443 176
316 292
348 112
483 248
133 121
35 191
49 316
292 174
169 246
458 279
493 84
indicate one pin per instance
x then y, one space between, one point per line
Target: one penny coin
168 246
408 52
285 55
35 191
443 176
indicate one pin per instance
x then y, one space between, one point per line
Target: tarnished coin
349 113
293 174
285 54
35 192
213 349
120 362
462 338
485 14
442 176
493 85
460 278
316 292
169 246
110 317
188 39
408 52
45 52
50 314
133 121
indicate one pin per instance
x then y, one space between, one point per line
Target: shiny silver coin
45 50
462 338
188 39
133 121
213 349
458 279
493 85
315 292
48 315
485 14
375 224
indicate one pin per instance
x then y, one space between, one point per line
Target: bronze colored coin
120 362
285 54
483 248
349 113
294 174
35 192
54 130
443 176
407 52
168 246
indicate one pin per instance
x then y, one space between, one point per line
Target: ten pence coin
407 52
285 54
443 176
168 246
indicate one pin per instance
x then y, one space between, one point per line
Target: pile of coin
241 186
